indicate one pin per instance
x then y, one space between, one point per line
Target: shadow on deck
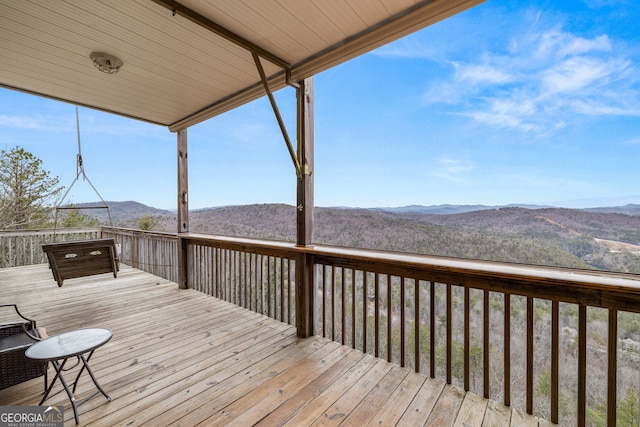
179 357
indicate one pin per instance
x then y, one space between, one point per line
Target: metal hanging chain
79 171
79 165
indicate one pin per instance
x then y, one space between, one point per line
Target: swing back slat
69 260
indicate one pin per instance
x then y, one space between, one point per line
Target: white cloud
579 45
556 44
452 169
481 73
35 122
538 79
505 119
590 108
579 73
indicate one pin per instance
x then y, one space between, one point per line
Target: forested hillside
547 236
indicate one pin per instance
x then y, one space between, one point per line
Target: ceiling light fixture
106 63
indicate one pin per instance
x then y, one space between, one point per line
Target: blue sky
510 102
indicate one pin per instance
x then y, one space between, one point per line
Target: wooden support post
304 209
183 208
304 298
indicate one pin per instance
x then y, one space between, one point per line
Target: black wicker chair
17 333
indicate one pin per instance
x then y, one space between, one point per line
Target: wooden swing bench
69 260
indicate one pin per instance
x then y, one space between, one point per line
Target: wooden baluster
529 355
389 317
254 282
271 283
486 344
258 281
240 279
235 296
282 289
230 275
354 273
377 314
555 352
333 303
402 322
195 272
416 322
467 334
216 271
324 301
432 332
219 271
247 280
507 349
228 272
261 275
365 277
449 334
206 281
343 310
223 274
612 367
582 364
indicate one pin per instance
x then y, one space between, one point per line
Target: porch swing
80 258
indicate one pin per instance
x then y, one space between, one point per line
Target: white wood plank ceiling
187 61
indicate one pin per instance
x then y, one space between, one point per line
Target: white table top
69 344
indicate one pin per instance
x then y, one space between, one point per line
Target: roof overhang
189 61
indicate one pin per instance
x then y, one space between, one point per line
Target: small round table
60 348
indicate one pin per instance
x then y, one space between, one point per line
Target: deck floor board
179 357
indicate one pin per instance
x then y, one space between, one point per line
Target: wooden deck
181 358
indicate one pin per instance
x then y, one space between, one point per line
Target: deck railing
508 332
148 251
24 247
153 252
253 274
519 334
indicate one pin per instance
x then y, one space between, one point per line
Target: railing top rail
241 243
493 269
465 268
594 288
132 231
48 231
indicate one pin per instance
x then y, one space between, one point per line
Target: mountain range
605 238
122 211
